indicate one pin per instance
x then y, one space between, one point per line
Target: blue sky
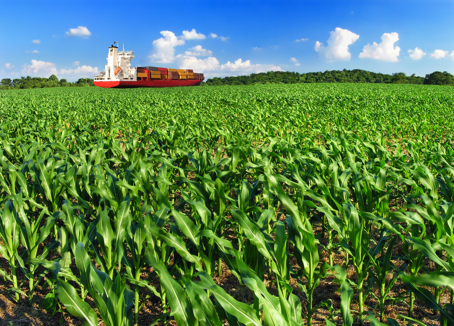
226 38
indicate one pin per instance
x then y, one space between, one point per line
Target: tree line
333 76
39 82
270 77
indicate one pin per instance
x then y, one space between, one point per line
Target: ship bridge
118 67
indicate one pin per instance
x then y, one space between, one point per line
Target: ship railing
101 76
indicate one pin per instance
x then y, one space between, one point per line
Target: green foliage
39 82
439 78
333 76
141 194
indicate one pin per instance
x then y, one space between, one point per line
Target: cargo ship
119 73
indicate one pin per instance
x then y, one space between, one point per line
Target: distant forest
333 76
39 82
270 77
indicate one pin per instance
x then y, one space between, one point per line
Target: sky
227 38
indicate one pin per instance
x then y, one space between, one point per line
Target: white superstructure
118 66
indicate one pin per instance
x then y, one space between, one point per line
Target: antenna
123 47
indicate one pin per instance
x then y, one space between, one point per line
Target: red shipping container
163 70
173 75
190 70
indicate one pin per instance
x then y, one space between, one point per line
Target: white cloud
45 69
295 61
212 66
256 48
222 38
439 54
192 35
35 51
246 67
338 43
82 70
80 31
76 63
301 39
9 66
417 53
36 41
198 65
164 52
198 51
385 51
39 68
164 47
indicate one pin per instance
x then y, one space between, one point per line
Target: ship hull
148 83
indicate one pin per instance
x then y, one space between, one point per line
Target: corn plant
10 234
263 183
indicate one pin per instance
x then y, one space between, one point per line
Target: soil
12 313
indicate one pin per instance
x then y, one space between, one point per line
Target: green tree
53 78
17 83
6 82
399 78
439 78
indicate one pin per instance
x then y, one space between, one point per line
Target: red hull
148 83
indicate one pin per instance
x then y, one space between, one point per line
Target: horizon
234 38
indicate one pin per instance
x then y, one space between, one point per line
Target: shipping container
163 70
173 75
141 74
152 68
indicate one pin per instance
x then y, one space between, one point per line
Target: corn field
112 199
